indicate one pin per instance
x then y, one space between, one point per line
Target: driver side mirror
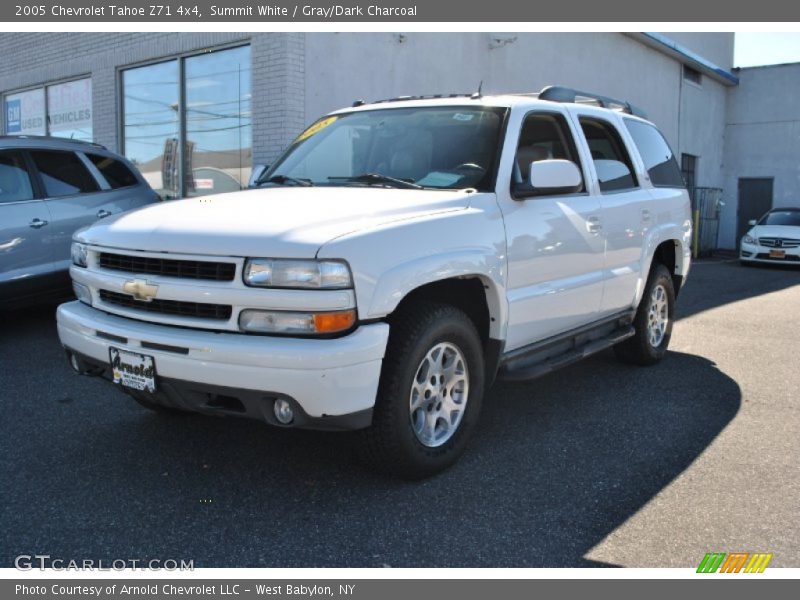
255 175
553 176
752 222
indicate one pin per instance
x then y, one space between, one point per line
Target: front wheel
430 392
653 321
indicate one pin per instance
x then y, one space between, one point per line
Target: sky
752 49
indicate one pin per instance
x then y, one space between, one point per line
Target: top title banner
450 11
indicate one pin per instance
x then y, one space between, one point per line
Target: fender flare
402 279
656 237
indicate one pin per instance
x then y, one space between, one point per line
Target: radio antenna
479 93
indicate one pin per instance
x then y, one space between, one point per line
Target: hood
778 231
272 222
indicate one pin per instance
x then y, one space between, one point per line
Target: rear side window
611 160
15 183
658 158
63 173
116 173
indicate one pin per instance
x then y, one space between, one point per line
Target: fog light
73 362
283 411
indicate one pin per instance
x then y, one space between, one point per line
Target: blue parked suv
49 188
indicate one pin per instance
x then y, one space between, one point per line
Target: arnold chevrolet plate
133 370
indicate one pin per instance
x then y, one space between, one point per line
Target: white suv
395 259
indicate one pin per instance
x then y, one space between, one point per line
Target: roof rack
55 138
405 98
556 93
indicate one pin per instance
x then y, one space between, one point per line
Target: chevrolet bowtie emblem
140 289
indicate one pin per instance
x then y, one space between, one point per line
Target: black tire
390 444
638 350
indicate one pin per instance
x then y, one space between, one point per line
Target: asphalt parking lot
598 464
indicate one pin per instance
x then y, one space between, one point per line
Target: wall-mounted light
498 40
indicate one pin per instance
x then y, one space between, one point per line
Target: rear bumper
331 383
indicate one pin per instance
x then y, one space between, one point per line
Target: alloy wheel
439 394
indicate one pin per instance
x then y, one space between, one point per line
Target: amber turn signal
334 322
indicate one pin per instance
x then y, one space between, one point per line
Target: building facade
762 147
195 111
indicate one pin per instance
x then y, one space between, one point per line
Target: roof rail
55 138
556 93
403 98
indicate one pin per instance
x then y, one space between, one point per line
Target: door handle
102 214
593 224
646 215
37 223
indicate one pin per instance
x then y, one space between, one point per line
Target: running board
538 364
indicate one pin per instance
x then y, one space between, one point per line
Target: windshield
430 147
782 217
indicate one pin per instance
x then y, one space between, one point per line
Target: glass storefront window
24 113
215 116
69 109
218 124
65 110
151 125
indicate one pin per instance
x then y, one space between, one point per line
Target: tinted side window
657 156
611 161
116 173
544 136
63 173
15 183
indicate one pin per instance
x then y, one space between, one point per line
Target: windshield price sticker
315 128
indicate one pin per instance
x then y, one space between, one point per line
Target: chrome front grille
147 286
167 267
776 242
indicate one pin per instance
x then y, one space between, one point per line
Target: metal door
755 199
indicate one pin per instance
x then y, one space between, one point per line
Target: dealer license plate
136 371
777 253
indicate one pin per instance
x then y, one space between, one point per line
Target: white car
774 238
395 259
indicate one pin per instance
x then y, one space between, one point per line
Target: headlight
78 252
307 274
750 240
296 323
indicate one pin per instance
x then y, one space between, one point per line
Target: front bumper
331 382
761 254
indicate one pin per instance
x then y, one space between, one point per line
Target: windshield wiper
284 179
379 178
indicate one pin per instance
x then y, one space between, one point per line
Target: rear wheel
430 392
653 321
